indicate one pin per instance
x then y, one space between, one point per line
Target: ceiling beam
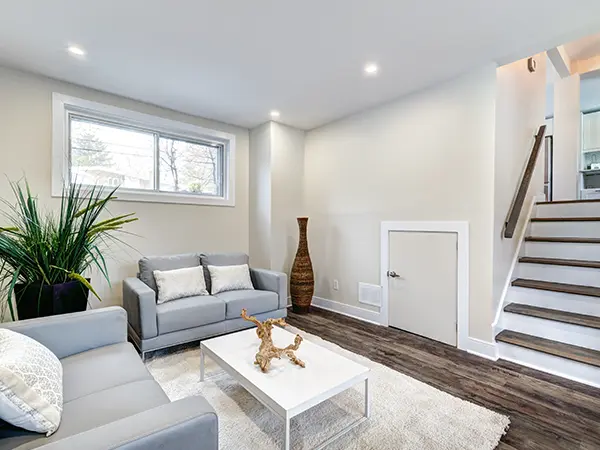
586 65
560 60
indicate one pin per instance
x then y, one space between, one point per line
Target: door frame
461 228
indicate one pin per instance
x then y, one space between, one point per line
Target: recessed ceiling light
371 69
274 113
77 51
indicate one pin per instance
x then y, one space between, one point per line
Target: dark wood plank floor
546 412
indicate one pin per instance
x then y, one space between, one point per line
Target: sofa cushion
92 411
107 406
148 264
100 369
255 302
221 259
189 312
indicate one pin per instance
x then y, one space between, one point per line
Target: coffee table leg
367 399
201 364
286 444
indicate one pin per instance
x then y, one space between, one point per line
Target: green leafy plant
49 248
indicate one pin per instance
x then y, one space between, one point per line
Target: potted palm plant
43 256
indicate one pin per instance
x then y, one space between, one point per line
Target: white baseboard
474 346
481 348
347 310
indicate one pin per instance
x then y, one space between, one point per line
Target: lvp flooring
546 412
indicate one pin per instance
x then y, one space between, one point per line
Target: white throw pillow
229 278
31 389
179 283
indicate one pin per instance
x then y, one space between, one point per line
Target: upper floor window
150 158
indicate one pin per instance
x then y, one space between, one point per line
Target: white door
422 288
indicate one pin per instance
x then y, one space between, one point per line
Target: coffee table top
286 388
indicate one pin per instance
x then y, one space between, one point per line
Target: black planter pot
37 300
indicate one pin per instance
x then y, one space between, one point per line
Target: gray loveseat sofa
153 326
110 400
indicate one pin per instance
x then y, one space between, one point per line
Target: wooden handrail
517 205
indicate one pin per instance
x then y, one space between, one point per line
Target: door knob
392 274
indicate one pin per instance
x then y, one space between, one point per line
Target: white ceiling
235 60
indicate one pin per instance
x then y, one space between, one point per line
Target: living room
218 145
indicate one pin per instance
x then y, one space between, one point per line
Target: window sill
126 195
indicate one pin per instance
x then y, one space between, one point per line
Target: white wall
277 172
428 156
260 196
25 148
567 138
520 111
287 154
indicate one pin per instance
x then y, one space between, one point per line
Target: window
189 166
113 155
149 158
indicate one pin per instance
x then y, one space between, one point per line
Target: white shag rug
405 413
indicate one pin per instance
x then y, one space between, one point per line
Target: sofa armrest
269 280
68 334
186 424
140 302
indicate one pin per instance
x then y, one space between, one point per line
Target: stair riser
554 300
569 210
583 373
550 329
565 229
559 274
586 252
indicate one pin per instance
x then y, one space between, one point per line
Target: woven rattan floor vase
302 280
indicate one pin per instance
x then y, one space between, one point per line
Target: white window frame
64 105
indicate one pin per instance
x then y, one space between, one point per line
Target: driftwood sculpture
267 351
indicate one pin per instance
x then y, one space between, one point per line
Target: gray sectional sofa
153 326
110 400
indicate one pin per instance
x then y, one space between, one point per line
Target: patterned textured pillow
179 283
229 278
31 390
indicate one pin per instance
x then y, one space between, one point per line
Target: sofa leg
143 356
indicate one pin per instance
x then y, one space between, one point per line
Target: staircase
551 314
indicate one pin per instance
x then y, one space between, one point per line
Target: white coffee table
287 389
